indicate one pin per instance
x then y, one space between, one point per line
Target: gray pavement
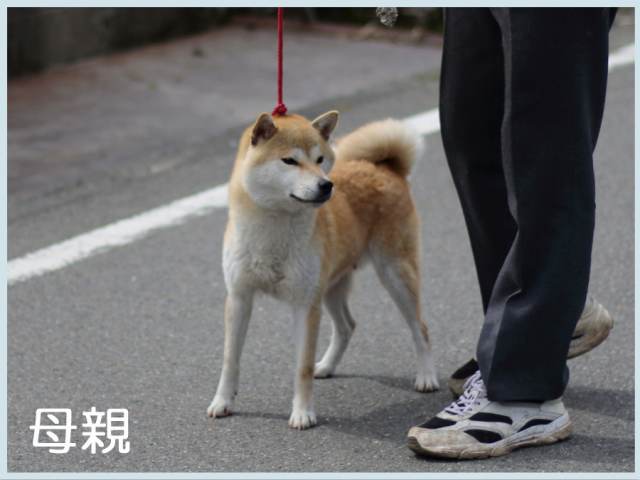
140 327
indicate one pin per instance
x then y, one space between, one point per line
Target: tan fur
384 142
371 215
371 201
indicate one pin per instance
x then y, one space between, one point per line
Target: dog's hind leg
237 311
401 278
342 326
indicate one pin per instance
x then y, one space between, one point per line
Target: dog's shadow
400 383
389 422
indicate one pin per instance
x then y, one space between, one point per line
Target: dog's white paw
322 370
426 382
302 419
219 407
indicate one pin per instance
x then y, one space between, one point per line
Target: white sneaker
475 427
592 329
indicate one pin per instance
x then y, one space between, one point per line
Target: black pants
521 102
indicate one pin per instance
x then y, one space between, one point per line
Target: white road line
134 228
114 235
622 56
425 123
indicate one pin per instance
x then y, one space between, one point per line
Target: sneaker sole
592 329
556 431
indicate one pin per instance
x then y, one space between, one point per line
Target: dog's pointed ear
326 123
263 129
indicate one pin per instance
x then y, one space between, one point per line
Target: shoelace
474 391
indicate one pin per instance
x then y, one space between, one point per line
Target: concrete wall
41 37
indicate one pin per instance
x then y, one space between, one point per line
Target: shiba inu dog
301 218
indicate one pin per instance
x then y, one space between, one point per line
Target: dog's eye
320 160
290 161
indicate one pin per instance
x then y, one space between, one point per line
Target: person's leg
471 112
555 72
473 83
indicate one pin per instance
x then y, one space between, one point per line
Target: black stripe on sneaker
490 417
466 370
534 422
437 422
484 436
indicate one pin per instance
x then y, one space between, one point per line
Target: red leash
280 109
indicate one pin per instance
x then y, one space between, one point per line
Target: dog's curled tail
387 142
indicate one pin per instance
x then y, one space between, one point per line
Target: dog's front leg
237 311
307 321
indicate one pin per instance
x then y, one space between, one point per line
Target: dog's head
288 160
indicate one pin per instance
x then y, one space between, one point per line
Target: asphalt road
140 327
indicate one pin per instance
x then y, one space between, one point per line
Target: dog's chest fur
273 254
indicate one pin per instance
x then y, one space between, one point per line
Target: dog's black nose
325 186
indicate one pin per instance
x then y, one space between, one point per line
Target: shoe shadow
602 401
